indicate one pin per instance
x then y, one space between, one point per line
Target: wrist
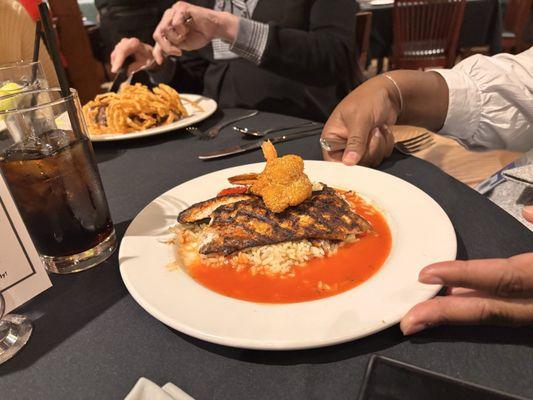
394 94
227 26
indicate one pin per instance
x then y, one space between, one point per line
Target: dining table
91 340
481 27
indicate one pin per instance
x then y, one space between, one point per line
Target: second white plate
208 105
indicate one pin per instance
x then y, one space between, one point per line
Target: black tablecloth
92 340
482 26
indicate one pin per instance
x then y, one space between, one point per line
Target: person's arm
483 102
320 55
491 102
184 74
408 97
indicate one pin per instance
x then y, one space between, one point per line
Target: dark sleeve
321 56
185 73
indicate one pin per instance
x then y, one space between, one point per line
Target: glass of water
21 76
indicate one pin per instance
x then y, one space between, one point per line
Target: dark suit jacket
307 68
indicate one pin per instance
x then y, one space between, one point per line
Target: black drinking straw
36 47
53 49
51 40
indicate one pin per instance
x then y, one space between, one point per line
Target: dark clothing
307 67
129 18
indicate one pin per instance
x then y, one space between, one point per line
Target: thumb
117 59
358 133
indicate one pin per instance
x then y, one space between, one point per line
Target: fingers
389 140
158 54
379 147
359 131
122 50
172 29
511 277
467 309
459 291
334 128
160 33
127 47
527 212
182 13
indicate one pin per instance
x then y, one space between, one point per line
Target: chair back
515 21
426 32
362 37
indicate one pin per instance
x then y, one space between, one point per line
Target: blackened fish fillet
248 223
200 212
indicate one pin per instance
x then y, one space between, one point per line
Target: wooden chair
514 25
362 37
426 32
84 72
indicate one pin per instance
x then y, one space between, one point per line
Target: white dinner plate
208 105
421 234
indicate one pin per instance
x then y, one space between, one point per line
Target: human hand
189 27
497 291
527 213
141 52
362 118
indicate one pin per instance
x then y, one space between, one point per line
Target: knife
257 144
122 75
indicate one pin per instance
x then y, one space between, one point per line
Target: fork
415 144
408 146
214 131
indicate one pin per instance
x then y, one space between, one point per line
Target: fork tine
415 139
420 146
195 131
419 143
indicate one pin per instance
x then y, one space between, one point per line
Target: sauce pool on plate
318 278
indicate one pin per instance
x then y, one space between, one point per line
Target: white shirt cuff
464 106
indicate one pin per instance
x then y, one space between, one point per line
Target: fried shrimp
283 182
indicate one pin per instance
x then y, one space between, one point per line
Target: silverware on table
408 146
257 144
258 133
214 131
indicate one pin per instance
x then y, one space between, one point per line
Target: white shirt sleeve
491 102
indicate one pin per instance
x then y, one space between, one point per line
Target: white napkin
145 389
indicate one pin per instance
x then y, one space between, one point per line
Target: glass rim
7 97
19 63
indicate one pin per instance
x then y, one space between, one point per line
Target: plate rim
275 345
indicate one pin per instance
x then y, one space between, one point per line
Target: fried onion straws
134 108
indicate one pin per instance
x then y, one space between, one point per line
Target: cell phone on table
387 379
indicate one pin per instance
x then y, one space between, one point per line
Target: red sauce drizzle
352 265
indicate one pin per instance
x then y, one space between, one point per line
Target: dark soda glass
59 194
48 165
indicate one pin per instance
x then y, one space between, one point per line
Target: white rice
274 259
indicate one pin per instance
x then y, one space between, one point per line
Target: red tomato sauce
350 266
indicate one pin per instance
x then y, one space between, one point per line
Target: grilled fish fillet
249 223
200 212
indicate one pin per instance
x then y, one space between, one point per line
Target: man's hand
141 52
189 27
362 119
